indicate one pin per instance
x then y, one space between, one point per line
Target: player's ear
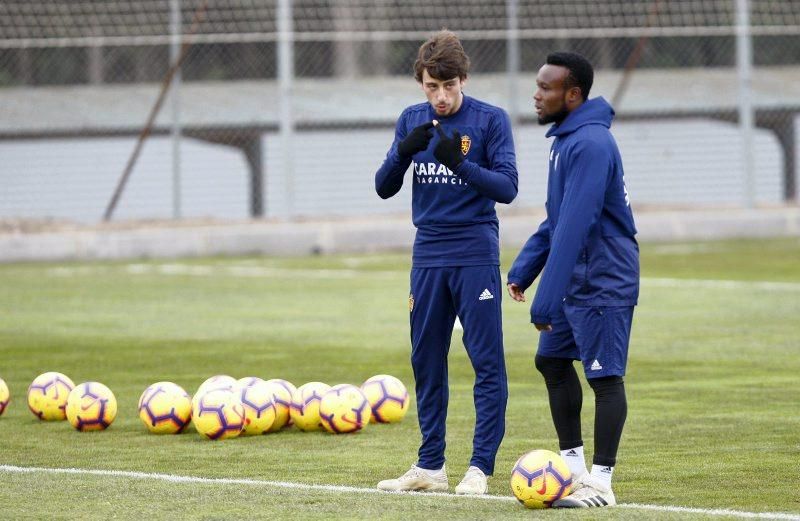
574 94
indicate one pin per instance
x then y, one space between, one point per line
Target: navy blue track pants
438 295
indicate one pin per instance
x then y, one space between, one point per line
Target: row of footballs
223 407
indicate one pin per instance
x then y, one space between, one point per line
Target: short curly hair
581 72
443 56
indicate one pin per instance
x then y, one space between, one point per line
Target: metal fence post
513 60
285 79
175 102
744 69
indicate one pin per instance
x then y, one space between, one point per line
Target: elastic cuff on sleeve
540 319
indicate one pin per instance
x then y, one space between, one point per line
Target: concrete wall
361 235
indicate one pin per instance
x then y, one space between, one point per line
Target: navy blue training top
587 243
454 211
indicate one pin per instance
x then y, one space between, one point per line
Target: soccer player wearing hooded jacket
583 306
461 167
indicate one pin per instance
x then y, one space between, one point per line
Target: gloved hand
448 150
416 141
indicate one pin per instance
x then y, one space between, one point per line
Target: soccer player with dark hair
586 245
461 151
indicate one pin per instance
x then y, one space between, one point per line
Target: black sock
566 398
611 409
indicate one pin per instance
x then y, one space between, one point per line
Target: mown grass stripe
345 273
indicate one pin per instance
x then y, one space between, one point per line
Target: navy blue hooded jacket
586 244
454 211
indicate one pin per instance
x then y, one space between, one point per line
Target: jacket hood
595 111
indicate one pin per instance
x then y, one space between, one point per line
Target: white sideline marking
713 511
360 490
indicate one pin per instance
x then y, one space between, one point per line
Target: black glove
448 150
416 141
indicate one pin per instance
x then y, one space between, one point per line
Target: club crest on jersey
465 144
411 303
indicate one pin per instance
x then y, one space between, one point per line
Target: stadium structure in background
284 108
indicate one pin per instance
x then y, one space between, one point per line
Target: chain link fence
284 109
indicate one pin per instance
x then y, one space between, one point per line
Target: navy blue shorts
597 336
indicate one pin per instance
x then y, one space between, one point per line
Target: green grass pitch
713 386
